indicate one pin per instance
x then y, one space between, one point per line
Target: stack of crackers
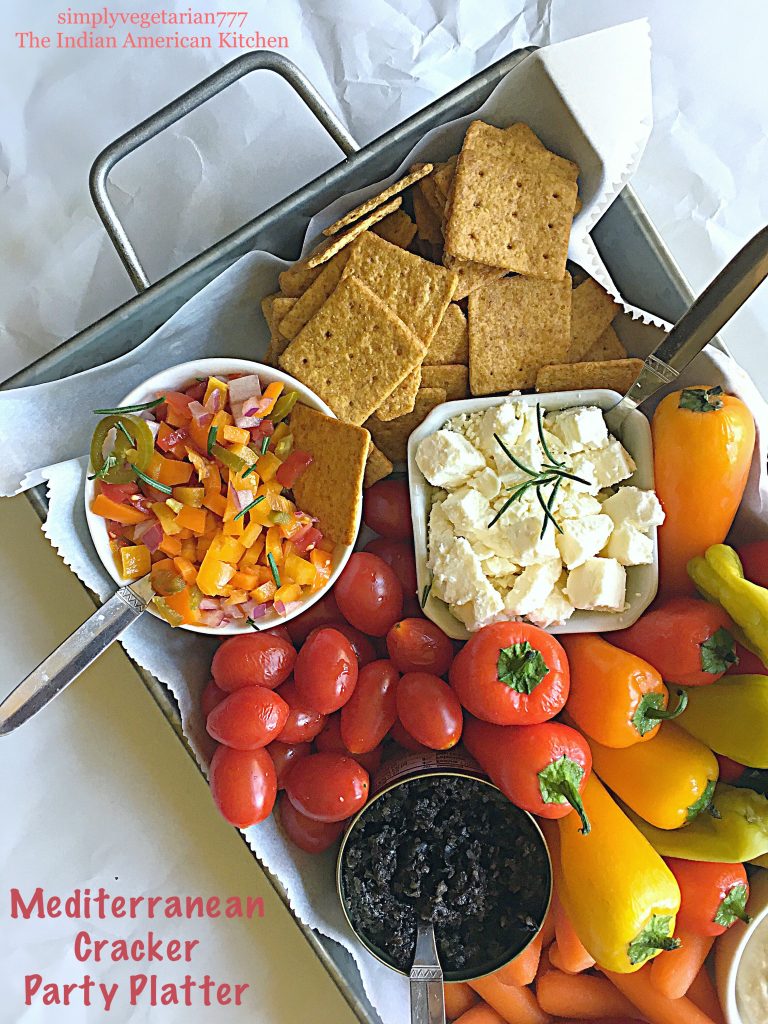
390 316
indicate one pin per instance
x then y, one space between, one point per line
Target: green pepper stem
571 793
668 714
666 944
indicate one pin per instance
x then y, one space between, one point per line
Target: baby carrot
515 1004
522 970
702 993
654 1006
482 1013
673 971
583 996
572 956
459 997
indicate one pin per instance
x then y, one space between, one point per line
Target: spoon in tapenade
427 1002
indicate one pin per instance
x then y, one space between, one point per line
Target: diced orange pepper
245 581
181 602
166 564
189 496
326 544
214 384
299 570
250 533
265 592
186 568
273 392
136 561
288 594
109 509
202 544
274 544
170 545
221 420
189 550
234 527
320 559
230 550
323 575
179 449
177 418
267 465
236 596
193 519
212 482
217 503
168 471
198 435
186 533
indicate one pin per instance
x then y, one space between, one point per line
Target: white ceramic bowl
175 379
635 435
730 948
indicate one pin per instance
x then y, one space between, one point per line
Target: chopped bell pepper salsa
196 490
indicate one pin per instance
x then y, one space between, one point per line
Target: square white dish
635 435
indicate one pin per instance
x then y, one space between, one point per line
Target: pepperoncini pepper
668 781
618 893
719 576
738 830
731 717
133 443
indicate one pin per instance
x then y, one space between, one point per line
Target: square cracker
331 488
417 172
454 380
307 305
451 341
415 289
617 374
433 198
377 466
402 398
427 223
471 275
508 208
443 176
606 347
353 352
397 228
333 245
592 310
392 436
296 279
516 326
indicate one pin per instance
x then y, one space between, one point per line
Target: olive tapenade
454 850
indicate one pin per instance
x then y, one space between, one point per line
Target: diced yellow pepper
265 592
251 532
236 596
215 384
230 550
236 435
288 594
167 517
253 554
192 496
221 420
136 561
234 527
174 505
214 572
249 456
216 502
189 549
274 545
299 570
267 465
281 430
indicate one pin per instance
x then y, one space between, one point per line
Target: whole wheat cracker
308 304
443 176
516 326
471 275
592 310
427 224
397 228
617 374
377 466
454 380
402 398
606 347
353 352
415 289
450 344
391 436
295 279
417 172
331 487
326 250
430 193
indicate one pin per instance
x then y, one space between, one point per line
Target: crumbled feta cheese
533 587
597 585
629 545
612 463
580 428
556 610
574 502
506 421
469 512
484 608
457 573
518 539
583 538
498 566
486 482
447 459
633 505
583 466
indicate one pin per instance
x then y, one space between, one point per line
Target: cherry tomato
327 787
306 833
418 645
372 710
252 659
243 785
387 509
322 613
326 670
302 723
369 594
511 673
284 755
364 650
293 467
330 741
399 555
279 631
248 719
429 710
730 771
403 739
210 697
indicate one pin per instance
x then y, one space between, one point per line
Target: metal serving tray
631 248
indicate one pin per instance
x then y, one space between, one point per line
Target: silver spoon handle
427 1002
73 656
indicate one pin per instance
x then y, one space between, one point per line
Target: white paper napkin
588 98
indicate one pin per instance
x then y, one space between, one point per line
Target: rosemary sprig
540 428
273 567
425 594
130 408
211 440
109 463
550 506
150 480
253 504
547 510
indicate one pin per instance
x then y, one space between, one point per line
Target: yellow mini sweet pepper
731 717
668 781
719 576
620 896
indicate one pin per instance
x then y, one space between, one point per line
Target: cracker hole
329 334
544 256
473 236
550 226
510 245
519 184
327 382
304 362
555 195
481 174
476 204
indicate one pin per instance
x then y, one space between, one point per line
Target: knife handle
70 659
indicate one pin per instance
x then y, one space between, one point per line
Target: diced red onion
141 528
214 401
235 611
254 610
241 388
209 604
242 498
154 427
153 538
257 406
200 414
196 390
246 422
213 618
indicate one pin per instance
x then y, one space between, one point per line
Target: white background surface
98 787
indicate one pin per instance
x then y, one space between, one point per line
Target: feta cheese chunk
582 538
598 585
457 573
469 512
533 586
440 531
518 539
629 545
486 482
447 459
580 428
556 610
485 607
633 505
505 420
613 463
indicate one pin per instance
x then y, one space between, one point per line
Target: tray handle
257 60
